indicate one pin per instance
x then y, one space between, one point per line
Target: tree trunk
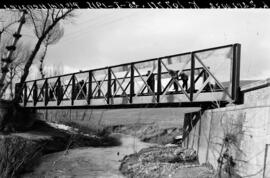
33 55
26 69
11 82
42 62
10 53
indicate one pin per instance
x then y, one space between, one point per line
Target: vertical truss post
25 94
131 83
73 94
192 73
159 92
99 90
46 98
35 93
89 96
236 72
59 91
114 86
109 93
17 90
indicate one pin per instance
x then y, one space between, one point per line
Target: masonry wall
249 123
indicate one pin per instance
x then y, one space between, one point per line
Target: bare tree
7 59
18 59
52 38
44 21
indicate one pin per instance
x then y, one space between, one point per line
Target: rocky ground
164 161
167 159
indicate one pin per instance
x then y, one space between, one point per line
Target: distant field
164 117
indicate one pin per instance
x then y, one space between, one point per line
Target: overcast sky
99 38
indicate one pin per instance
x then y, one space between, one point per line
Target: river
87 162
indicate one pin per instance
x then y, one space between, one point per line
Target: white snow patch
62 127
179 137
171 145
70 129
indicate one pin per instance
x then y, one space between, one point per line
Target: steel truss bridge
212 75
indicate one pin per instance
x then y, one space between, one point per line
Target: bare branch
34 23
36 49
58 13
46 20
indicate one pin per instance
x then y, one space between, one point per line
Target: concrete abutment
248 123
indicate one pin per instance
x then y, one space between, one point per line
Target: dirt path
87 162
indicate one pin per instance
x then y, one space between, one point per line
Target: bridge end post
46 92
236 73
109 93
73 90
58 91
159 92
89 96
131 83
25 94
35 93
192 86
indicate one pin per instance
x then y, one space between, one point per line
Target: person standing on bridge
174 75
184 78
150 81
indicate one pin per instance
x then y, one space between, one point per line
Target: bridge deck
172 100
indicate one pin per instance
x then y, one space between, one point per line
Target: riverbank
88 161
73 150
19 151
